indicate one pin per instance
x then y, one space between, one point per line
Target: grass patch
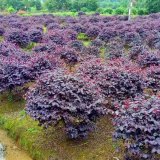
30 46
44 29
63 14
102 52
82 37
86 43
52 143
1 38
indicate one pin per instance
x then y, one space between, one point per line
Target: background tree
16 4
53 5
153 6
90 5
38 4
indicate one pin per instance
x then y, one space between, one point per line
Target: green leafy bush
108 10
119 11
134 11
11 9
84 9
142 11
100 10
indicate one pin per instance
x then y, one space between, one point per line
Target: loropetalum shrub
16 72
70 34
138 123
69 56
9 49
90 70
97 43
107 34
53 26
91 51
81 13
114 50
48 47
78 28
18 37
76 45
119 84
13 73
57 37
35 35
58 97
137 50
153 78
131 37
2 31
93 32
42 63
153 40
149 59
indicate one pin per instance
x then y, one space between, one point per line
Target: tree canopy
141 6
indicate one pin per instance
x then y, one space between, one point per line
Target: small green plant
32 130
119 11
142 11
30 46
44 29
22 113
134 11
10 9
10 96
1 38
100 10
108 10
82 37
84 9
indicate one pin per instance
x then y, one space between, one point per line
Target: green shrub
134 11
82 36
108 10
119 11
11 9
100 10
73 10
142 11
84 9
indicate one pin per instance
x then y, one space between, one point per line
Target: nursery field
81 88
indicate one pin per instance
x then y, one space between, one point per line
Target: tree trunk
130 10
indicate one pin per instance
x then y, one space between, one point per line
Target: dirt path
13 152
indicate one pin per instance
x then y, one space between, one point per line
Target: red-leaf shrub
18 37
138 123
59 97
119 84
13 73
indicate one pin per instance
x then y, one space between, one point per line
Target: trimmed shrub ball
18 37
63 98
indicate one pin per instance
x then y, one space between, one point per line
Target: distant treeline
140 7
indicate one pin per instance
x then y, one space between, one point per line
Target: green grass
82 37
63 14
103 53
1 38
30 46
52 143
44 29
86 43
